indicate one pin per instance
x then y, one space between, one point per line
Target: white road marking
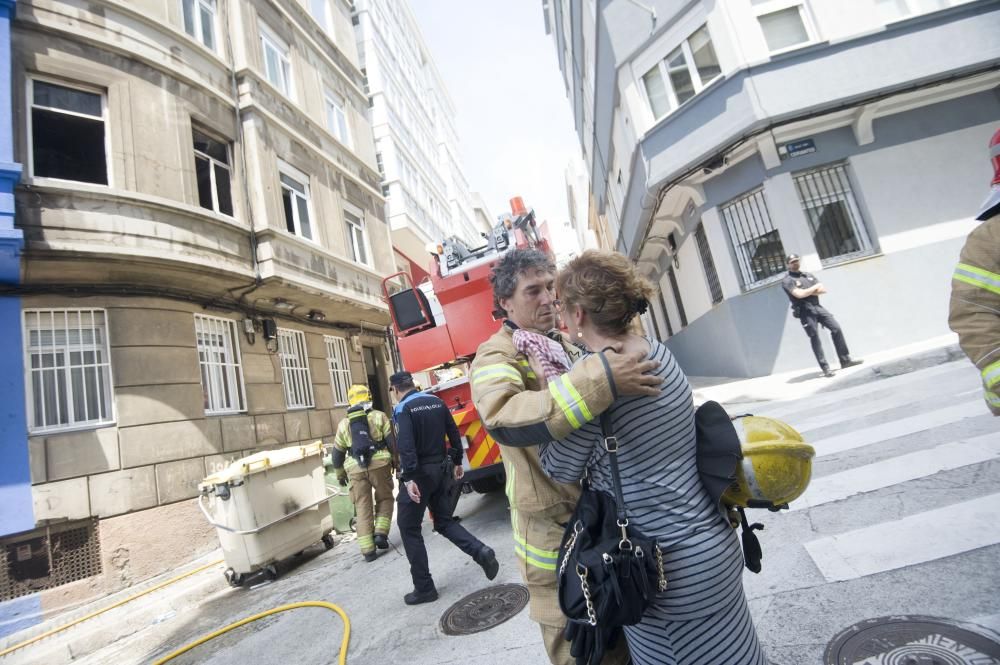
913 540
896 428
920 464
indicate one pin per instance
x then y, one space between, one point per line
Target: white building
416 145
721 136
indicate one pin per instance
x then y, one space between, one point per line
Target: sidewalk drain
911 640
484 609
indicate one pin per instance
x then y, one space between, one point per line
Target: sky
514 121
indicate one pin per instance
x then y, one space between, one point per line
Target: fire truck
440 323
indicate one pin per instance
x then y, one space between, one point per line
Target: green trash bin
341 506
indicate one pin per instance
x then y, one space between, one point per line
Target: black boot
370 556
488 560
417 597
828 373
847 362
381 541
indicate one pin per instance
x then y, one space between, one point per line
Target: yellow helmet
357 394
776 465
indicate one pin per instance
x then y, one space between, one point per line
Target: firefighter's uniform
975 291
519 415
372 519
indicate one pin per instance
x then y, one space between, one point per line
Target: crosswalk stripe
896 428
896 470
873 407
913 540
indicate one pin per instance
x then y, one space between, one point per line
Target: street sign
797 148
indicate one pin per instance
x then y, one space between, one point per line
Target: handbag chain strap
611 445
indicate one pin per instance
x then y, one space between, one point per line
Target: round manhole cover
484 609
911 640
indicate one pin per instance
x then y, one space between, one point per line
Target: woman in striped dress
702 618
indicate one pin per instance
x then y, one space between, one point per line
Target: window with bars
666 313
68 367
340 369
756 243
295 369
211 166
837 227
199 20
708 264
672 274
221 367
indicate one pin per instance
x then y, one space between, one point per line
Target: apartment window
295 200
67 133
68 369
277 63
211 166
682 74
340 369
677 296
783 23
708 264
221 369
199 20
356 237
295 369
336 119
320 10
837 226
666 313
756 243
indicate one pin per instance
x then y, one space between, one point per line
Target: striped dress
702 618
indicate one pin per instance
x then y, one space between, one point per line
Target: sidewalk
810 381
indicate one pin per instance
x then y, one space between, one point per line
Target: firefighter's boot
381 541
488 560
417 597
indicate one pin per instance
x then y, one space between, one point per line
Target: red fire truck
441 322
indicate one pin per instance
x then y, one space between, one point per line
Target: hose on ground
342 660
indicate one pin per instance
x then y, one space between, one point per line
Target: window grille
295 369
837 227
69 368
49 557
221 369
340 368
756 243
708 264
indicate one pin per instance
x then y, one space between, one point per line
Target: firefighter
430 456
363 452
519 415
975 291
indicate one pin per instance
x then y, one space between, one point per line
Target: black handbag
608 573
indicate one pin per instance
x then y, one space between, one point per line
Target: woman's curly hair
608 288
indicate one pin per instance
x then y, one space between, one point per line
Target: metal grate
834 218
340 369
484 609
756 242
50 557
295 368
711 276
219 360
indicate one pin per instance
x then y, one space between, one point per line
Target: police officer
803 290
424 426
363 451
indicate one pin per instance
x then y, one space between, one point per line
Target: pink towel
545 351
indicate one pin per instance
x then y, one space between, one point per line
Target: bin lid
262 461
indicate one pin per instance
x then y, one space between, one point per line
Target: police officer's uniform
429 447
811 314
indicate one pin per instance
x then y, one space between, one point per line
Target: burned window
211 165
68 133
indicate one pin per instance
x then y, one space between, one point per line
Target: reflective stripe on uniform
382 524
992 399
527 368
497 371
978 277
991 375
366 543
570 401
533 556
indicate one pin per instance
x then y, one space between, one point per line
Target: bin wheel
328 541
235 579
271 572
354 524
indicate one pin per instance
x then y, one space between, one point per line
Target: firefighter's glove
587 643
342 477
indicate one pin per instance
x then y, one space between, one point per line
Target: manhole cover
484 609
910 640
